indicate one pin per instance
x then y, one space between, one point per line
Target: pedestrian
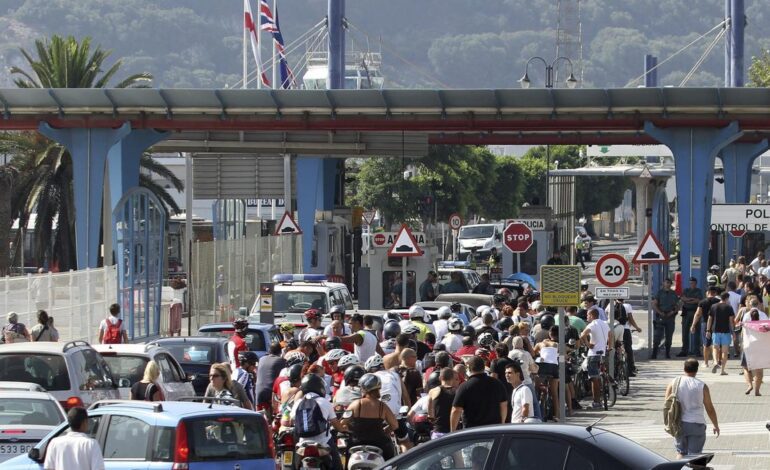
456 284
580 246
221 291
148 388
484 287
699 322
15 332
691 297
74 449
598 337
246 374
624 314
43 331
756 263
440 401
397 294
111 329
555 259
475 412
719 329
730 274
753 377
522 399
665 305
694 398
429 289
223 386
269 369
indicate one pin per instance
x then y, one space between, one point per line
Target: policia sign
740 217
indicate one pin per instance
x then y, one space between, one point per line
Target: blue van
169 436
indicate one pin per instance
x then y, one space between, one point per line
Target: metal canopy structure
476 117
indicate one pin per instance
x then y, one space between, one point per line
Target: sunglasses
215 375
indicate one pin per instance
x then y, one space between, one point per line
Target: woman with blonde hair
223 386
148 388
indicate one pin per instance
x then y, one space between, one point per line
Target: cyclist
290 395
313 388
598 337
237 344
548 352
246 374
313 329
337 313
372 422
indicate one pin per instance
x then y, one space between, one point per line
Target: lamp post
549 74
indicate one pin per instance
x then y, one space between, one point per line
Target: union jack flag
252 30
269 23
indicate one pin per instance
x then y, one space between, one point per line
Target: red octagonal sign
379 239
517 237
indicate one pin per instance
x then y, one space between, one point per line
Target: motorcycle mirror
347 414
403 410
385 397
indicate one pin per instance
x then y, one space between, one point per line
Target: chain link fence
76 300
226 273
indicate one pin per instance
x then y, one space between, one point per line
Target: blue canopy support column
661 227
695 151
89 149
737 161
315 191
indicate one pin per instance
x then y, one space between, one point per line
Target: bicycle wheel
624 379
613 391
605 392
547 406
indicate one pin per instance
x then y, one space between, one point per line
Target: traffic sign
287 225
405 245
534 224
379 239
611 292
517 237
650 251
455 221
612 270
645 173
737 233
560 285
369 216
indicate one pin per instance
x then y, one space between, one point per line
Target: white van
480 239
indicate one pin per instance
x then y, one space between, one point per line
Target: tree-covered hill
425 43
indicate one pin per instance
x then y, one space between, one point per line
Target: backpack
620 313
113 334
309 420
672 412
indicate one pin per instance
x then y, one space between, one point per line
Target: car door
525 452
95 430
126 443
172 378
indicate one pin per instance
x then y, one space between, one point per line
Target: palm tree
44 182
8 175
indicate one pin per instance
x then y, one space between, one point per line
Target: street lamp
549 72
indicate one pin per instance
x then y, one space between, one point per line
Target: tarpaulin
756 344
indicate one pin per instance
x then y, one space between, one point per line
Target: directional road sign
517 237
455 221
612 270
405 244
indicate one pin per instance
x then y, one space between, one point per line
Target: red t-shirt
466 351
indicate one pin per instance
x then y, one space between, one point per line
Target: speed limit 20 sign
612 270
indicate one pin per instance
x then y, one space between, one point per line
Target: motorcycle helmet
353 374
505 323
469 331
374 363
295 357
248 357
455 325
547 321
337 309
482 310
505 292
389 345
444 313
241 324
349 360
335 355
391 329
286 327
434 380
295 373
312 383
368 458
411 329
486 340
456 307
333 343
499 298
393 316
312 314
369 382
418 313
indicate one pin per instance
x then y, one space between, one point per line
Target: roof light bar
454 264
299 278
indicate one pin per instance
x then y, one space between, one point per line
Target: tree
506 195
8 175
759 70
380 184
44 185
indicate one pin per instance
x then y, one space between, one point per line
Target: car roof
46 347
29 386
314 286
191 340
136 349
25 394
435 305
169 412
252 326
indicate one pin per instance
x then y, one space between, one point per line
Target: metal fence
77 300
226 273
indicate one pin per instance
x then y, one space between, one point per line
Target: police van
293 294
478 240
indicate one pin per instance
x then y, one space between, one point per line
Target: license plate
15 449
288 458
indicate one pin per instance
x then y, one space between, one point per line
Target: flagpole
245 48
258 32
272 43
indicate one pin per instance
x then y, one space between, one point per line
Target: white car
127 363
74 373
295 293
26 417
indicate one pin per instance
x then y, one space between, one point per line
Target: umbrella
522 277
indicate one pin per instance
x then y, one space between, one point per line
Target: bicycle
544 395
622 376
608 386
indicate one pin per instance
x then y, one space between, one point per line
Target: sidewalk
744 442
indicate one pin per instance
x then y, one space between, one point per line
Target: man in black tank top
440 401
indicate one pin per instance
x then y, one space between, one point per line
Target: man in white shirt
735 298
522 401
441 326
598 336
756 263
590 302
74 449
364 337
314 388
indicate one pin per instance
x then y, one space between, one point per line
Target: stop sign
517 237
379 239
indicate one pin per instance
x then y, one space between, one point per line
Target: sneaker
596 405
723 373
714 369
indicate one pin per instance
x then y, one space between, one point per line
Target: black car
196 354
535 446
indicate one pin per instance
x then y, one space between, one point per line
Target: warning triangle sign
650 251
287 226
405 244
645 172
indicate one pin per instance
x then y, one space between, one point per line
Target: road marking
653 432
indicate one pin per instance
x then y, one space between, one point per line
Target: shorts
707 342
691 439
547 370
593 366
722 339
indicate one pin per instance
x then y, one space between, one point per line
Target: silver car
26 417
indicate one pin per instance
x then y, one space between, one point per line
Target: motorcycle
313 456
421 426
284 449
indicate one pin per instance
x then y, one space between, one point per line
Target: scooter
313 456
284 449
361 457
421 426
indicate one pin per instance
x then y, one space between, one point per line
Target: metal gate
139 238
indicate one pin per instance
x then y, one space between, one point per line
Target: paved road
744 442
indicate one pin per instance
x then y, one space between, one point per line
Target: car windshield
192 353
126 367
298 302
254 338
226 438
477 231
626 450
47 370
29 411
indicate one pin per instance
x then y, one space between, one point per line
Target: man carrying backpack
111 329
313 415
686 400
624 314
